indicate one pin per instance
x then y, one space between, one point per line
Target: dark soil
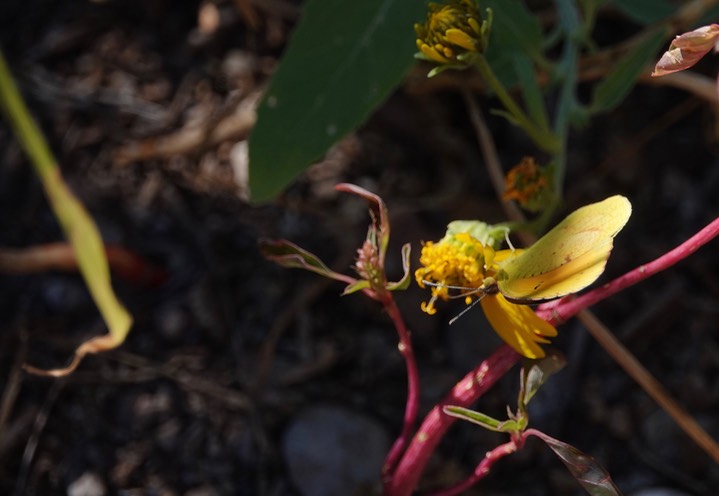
229 352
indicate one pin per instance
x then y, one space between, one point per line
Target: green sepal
485 30
445 67
488 234
514 425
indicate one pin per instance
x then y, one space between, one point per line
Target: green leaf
291 256
536 374
516 33
85 239
356 286
617 84
475 417
77 225
645 11
343 60
489 423
403 283
589 473
515 28
531 92
589 9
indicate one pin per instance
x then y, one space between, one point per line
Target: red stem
412 406
410 467
484 467
562 310
406 475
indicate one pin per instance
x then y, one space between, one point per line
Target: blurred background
243 378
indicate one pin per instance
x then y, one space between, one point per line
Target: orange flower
528 184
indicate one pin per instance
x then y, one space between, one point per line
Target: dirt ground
238 375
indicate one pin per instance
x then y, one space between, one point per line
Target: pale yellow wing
568 258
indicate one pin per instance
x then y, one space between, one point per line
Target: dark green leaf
343 61
589 9
516 34
617 84
531 92
588 472
645 11
515 28
501 62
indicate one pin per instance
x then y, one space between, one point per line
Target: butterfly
567 259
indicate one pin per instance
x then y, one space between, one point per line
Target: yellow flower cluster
451 33
456 262
461 263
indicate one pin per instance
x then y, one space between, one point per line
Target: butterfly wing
568 258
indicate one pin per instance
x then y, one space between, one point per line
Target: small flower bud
687 49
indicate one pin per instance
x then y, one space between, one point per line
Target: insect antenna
471 305
467 291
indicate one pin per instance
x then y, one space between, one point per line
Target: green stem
569 19
26 130
541 137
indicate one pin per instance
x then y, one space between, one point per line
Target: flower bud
453 34
687 49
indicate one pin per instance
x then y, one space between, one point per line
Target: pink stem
410 467
483 468
562 310
412 406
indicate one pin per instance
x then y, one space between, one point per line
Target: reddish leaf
589 473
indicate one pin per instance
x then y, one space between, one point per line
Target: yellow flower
453 33
462 264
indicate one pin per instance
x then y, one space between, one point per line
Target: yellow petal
461 39
433 54
489 255
517 325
